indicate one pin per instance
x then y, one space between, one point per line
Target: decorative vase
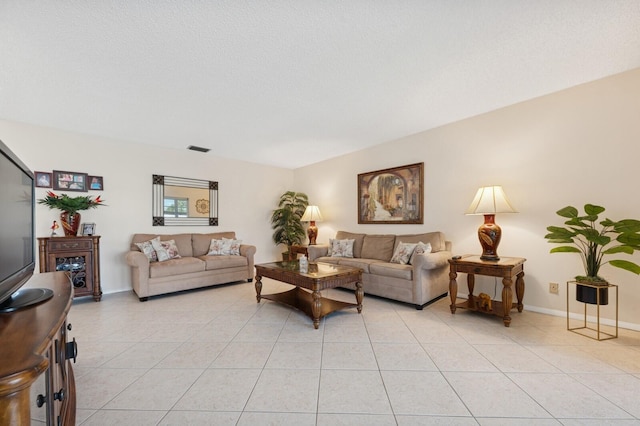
70 223
588 294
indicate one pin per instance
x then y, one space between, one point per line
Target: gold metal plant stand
584 323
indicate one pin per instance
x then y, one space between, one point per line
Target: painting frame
43 179
69 181
392 196
96 183
88 229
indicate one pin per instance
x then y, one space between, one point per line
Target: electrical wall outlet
553 288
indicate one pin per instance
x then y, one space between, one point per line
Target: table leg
453 290
471 283
258 287
507 300
359 295
316 308
520 290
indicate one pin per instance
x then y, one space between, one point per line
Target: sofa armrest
139 263
317 250
249 252
432 260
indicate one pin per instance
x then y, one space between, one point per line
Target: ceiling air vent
198 148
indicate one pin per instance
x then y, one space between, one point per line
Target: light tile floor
216 357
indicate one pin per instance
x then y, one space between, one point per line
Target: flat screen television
17 239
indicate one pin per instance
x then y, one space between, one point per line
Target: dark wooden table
507 268
320 276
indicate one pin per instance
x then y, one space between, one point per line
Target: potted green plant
285 220
593 240
69 208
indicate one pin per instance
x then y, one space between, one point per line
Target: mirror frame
158 219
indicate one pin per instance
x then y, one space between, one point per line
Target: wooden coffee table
320 276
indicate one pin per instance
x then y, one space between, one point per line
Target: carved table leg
359 295
258 287
316 306
507 300
471 283
453 290
520 290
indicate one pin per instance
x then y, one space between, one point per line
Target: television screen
17 257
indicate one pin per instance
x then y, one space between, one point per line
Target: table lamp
311 215
488 201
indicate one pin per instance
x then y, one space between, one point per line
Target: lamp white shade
311 214
490 200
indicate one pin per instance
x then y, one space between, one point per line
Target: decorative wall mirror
183 201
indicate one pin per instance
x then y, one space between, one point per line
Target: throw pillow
166 250
403 253
147 248
233 246
223 247
421 248
341 248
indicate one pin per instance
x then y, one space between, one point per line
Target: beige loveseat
423 281
193 269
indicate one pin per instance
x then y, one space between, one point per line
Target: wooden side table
79 257
295 250
506 267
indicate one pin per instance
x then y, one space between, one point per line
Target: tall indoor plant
69 208
285 220
593 240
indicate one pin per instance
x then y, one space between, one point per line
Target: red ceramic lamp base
312 232
489 234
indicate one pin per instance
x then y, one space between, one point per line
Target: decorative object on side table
88 229
312 215
69 207
593 240
488 201
286 220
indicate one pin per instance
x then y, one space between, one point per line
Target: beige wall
574 147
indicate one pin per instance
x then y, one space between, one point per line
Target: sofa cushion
363 264
436 239
165 250
147 248
183 265
340 248
357 243
378 247
224 261
225 246
421 248
394 270
403 253
201 242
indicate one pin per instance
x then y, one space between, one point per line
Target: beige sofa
193 269
419 283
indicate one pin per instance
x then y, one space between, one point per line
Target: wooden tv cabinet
34 342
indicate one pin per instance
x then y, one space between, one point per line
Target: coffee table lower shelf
303 301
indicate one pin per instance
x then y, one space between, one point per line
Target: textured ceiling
270 81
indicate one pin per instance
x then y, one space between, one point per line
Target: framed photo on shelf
96 183
88 229
392 195
69 181
43 179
